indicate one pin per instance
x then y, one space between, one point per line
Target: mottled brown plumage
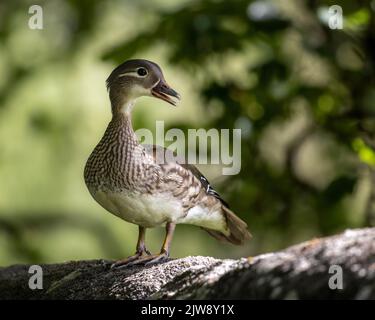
130 181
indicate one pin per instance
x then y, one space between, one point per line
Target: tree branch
301 271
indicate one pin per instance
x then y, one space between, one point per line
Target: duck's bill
166 93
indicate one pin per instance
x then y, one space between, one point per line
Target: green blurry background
302 94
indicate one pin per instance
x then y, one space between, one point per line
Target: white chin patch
139 91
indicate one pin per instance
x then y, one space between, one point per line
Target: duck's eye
142 72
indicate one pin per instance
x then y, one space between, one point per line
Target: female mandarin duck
124 177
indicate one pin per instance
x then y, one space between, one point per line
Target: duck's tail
238 231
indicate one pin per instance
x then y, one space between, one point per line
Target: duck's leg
164 252
140 250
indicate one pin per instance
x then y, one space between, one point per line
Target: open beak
165 92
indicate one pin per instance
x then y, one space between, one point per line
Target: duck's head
136 78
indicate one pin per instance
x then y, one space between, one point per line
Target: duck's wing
205 184
192 187
169 156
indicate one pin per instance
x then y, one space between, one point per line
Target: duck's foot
125 262
151 259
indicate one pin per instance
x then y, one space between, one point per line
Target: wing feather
238 231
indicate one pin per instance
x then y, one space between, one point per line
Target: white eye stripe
130 73
134 73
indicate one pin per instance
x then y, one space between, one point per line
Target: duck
126 178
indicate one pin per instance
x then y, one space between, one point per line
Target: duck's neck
121 123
